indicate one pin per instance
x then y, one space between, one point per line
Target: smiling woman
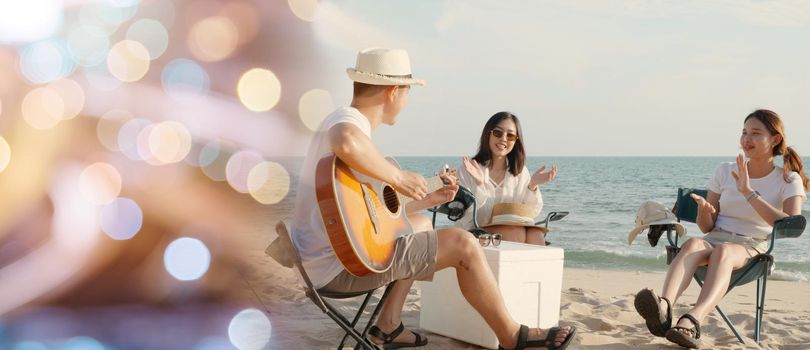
503 185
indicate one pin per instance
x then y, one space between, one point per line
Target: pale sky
586 78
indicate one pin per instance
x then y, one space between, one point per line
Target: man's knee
461 243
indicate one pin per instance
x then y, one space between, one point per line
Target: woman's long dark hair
516 158
792 160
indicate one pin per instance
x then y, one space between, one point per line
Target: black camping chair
456 208
319 298
464 199
758 269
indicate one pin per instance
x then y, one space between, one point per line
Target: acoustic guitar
363 216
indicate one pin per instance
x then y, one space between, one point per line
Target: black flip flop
691 341
646 304
547 343
388 338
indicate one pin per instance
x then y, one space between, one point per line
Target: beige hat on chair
654 213
381 66
513 214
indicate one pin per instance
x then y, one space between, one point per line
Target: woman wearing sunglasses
497 174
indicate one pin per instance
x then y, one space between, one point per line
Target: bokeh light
143 148
245 16
108 126
46 61
214 160
128 60
213 38
5 154
43 108
107 15
169 142
72 96
128 137
162 11
187 259
121 219
183 77
100 183
250 329
29 20
29 345
82 343
98 77
213 343
152 34
238 168
314 106
88 44
259 89
268 182
304 9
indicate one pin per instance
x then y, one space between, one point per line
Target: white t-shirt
308 233
736 214
512 189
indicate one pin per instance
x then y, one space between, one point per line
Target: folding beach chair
319 298
465 199
758 269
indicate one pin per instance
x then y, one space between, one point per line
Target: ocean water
602 195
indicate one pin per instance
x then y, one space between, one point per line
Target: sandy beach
598 302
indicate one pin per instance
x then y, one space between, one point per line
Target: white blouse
512 189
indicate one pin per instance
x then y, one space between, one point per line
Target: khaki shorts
415 259
719 236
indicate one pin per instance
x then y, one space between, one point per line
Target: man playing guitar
382 80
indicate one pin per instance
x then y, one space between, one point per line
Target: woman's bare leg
722 262
695 252
509 233
536 236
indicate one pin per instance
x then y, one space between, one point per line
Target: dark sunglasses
499 133
489 238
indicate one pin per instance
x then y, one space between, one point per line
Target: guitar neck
433 184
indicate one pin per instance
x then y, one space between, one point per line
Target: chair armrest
552 216
789 227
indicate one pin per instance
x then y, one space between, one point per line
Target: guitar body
363 217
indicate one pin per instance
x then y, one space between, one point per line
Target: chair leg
378 308
724 317
356 318
760 307
350 331
730 325
372 318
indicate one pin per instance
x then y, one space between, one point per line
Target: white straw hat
654 213
513 214
381 66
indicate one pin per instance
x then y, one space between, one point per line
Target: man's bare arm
358 152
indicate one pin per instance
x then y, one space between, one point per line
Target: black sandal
646 304
548 343
388 338
692 340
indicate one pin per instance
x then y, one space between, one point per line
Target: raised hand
475 171
741 176
448 176
443 195
541 176
412 185
704 207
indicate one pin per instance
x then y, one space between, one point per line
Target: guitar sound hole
391 199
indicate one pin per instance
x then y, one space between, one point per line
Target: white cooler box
530 280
